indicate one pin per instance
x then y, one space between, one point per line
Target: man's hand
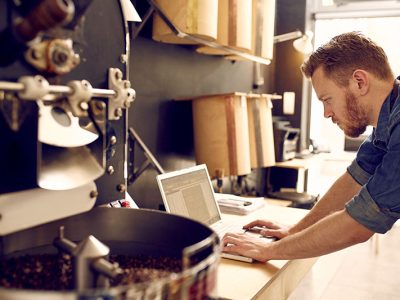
251 246
334 232
268 228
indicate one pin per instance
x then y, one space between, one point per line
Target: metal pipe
55 89
11 86
104 93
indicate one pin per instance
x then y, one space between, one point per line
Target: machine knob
48 14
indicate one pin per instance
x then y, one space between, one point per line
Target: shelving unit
155 8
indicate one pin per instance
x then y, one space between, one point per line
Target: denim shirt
377 168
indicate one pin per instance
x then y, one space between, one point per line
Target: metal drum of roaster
162 256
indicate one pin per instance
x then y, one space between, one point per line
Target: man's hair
345 53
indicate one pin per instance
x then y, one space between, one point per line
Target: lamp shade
304 44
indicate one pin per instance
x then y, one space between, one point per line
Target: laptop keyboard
223 227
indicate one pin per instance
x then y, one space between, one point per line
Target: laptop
189 193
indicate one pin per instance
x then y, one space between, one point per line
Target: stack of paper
238 205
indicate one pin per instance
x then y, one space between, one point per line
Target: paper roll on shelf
234 27
261 135
262 29
194 17
221 134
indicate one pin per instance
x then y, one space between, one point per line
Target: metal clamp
35 87
124 94
82 92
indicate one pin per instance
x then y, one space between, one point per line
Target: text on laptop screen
191 195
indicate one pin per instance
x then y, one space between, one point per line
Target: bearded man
352 78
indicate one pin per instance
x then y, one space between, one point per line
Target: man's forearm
330 234
344 188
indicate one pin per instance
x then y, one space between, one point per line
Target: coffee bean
54 272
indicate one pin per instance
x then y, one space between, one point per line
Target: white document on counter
238 205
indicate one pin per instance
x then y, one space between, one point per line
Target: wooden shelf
199 40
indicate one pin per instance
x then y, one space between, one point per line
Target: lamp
302 42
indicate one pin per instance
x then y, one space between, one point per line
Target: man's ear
360 82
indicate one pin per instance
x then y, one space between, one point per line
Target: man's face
340 104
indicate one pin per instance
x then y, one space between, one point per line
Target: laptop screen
189 193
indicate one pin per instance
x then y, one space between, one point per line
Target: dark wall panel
288 77
160 73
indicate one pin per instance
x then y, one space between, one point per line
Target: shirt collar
384 115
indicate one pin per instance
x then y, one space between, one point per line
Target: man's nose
327 112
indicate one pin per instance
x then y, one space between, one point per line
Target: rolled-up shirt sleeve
365 211
377 206
359 174
368 158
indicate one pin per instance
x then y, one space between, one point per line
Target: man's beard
356 119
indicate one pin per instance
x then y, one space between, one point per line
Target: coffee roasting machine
64 99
